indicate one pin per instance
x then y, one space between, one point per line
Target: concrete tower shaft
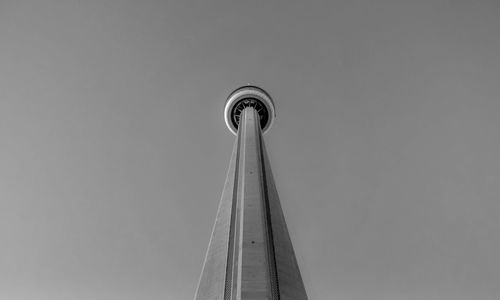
250 255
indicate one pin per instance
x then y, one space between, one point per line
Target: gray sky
113 148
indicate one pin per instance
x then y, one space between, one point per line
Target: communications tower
250 255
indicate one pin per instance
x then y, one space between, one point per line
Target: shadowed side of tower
250 255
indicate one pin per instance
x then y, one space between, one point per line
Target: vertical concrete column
250 254
253 258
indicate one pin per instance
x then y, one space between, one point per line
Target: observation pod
249 96
250 255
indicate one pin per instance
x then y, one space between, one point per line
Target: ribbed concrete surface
291 286
250 255
213 276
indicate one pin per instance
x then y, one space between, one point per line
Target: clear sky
113 148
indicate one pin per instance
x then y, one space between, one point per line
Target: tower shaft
250 255
254 269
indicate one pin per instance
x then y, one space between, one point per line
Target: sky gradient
385 149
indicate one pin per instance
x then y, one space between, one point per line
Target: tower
250 255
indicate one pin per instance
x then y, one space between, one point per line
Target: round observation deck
249 96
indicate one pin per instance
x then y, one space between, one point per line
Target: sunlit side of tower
250 255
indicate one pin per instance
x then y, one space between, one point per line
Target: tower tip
249 95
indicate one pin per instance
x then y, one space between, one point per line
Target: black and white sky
385 150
